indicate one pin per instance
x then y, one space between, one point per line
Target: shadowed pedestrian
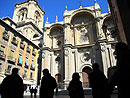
31 91
12 85
75 87
98 82
35 91
48 84
121 76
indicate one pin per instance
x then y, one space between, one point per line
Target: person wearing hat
75 87
48 84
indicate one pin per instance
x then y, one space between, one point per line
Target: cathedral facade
84 37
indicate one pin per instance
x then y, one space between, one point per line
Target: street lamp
104 28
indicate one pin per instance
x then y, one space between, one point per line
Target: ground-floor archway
85 74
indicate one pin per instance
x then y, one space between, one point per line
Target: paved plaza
64 94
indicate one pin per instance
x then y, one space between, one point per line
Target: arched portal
58 78
85 73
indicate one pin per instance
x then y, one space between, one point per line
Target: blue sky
52 8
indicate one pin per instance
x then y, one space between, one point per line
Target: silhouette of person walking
48 84
121 76
12 85
35 91
31 91
98 82
75 87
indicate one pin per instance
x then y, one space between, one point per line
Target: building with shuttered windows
19 41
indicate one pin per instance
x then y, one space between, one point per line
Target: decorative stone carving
66 41
66 52
85 57
58 42
57 59
43 54
83 34
103 47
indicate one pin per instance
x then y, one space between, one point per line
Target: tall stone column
105 58
67 62
76 33
67 34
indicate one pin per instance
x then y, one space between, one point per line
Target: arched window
37 17
22 14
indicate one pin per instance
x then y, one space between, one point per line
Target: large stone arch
81 17
111 33
84 27
57 35
78 12
86 70
56 26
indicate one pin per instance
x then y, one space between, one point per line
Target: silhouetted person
75 87
110 72
48 84
98 82
12 85
35 91
122 75
31 91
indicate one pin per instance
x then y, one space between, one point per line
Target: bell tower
28 16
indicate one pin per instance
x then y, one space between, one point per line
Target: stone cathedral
84 37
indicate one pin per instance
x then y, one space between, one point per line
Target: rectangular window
31 74
6 31
2 48
20 59
5 35
32 64
26 63
14 37
11 55
8 70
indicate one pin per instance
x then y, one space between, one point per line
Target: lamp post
104 28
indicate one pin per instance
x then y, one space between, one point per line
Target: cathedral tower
28 16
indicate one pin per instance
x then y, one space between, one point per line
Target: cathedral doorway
59 80
85 73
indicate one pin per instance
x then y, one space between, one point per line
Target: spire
47 20
80 6
56 19
97 5
66 8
